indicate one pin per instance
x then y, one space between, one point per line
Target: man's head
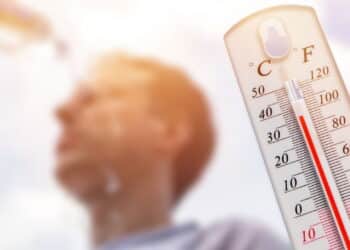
131 119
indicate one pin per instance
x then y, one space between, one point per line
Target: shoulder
238 235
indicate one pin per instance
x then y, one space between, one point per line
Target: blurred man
136 136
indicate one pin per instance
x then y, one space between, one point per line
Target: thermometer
300 111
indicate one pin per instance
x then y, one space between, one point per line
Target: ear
175 137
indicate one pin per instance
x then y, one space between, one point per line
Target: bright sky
34 213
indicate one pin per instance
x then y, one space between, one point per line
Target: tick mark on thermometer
337 143
300 173
316 239
289 163
304 214
336 129
320 92
325 104
271 117
342 157
307 81
282 126
268 93
287 150
272 104
307 199
282 139
326 118
297 188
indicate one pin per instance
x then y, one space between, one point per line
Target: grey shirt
233 235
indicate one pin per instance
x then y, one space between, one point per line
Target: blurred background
38 71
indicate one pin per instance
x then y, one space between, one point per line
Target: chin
74 184
82 192
73 172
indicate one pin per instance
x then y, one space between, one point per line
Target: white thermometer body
305 143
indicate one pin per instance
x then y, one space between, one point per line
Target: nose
64 113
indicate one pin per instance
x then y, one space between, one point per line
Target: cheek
142 136
116 133
99 127
115 137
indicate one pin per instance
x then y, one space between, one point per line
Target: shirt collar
172 235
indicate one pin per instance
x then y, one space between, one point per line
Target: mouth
69 159
66 142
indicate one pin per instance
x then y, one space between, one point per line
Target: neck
137 207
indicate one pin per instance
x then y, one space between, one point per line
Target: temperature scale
300 111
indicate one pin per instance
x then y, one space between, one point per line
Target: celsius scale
300 111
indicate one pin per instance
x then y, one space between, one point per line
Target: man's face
103 135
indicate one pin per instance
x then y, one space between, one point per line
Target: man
136 136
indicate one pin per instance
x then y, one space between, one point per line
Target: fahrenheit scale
300 111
